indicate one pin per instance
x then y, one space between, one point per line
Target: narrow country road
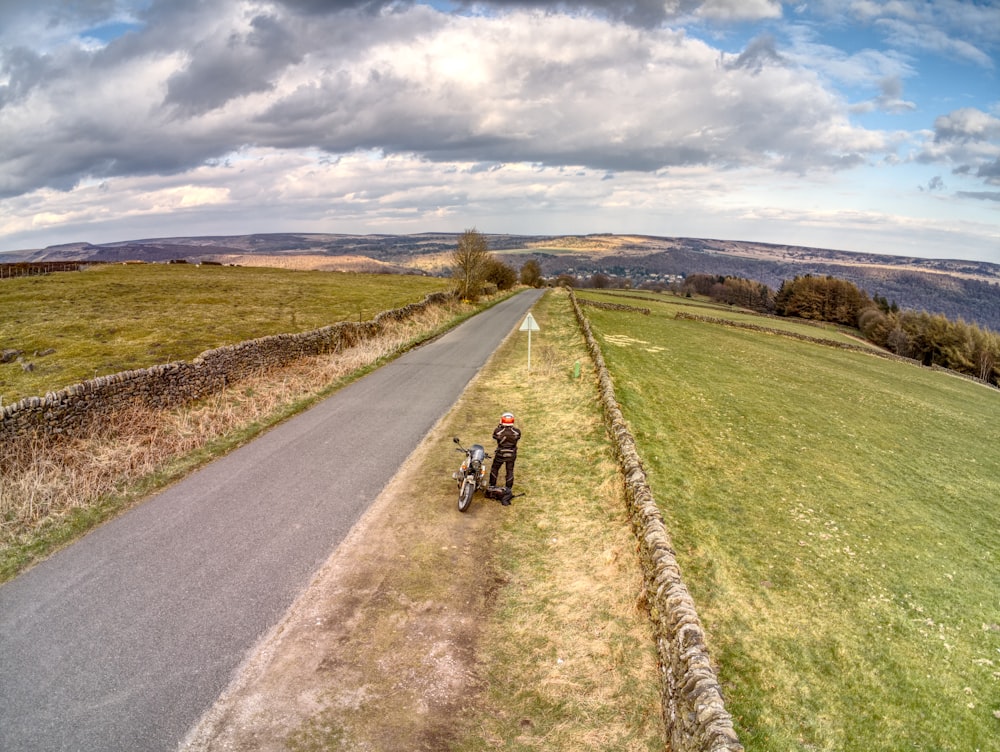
122 640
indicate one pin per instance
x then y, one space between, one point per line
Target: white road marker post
529 326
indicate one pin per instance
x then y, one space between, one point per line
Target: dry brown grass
46 483
313 262
601 243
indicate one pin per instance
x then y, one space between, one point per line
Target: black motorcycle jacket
507 437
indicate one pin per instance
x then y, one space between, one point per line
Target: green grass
667 302
836 518
114 318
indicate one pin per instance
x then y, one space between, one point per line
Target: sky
860 125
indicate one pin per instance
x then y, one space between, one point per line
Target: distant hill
959 289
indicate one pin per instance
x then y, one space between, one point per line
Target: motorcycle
472 475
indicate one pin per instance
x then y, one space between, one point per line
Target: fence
38 268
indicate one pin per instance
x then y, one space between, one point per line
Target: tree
566 280
986 352
531 273
470 264
600 281
500 274
876 325
821 299
702 284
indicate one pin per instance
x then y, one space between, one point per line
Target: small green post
576 370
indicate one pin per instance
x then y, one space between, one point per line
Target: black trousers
498 461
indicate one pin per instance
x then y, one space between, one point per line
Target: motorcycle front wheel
465 495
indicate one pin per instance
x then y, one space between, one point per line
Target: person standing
506 435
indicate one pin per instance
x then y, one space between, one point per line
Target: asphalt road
122 640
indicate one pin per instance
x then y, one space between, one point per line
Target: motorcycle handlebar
466 451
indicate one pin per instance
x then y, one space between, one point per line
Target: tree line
932 339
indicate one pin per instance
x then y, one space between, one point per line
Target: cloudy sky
868 125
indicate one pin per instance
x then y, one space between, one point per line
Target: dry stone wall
793 335
829 343
693 707
73 410
614 306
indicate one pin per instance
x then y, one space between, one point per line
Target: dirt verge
390 623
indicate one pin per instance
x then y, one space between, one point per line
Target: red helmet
507 419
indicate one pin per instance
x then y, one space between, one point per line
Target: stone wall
794 335
829 343
72 410
693 707
614 306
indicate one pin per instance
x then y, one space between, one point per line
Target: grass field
114 318
836 518
667 303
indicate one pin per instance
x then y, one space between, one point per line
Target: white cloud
647 13
739 10
301 114
968 139
953 28
524 87
889 100
262 190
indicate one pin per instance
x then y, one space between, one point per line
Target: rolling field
116 318
836 518
667 302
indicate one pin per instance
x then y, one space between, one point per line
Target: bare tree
470 264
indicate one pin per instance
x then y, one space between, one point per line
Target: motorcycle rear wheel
465 496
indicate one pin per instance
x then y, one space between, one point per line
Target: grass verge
513 627
568 658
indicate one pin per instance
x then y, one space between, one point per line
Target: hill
958 289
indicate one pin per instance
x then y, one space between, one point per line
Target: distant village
620 278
